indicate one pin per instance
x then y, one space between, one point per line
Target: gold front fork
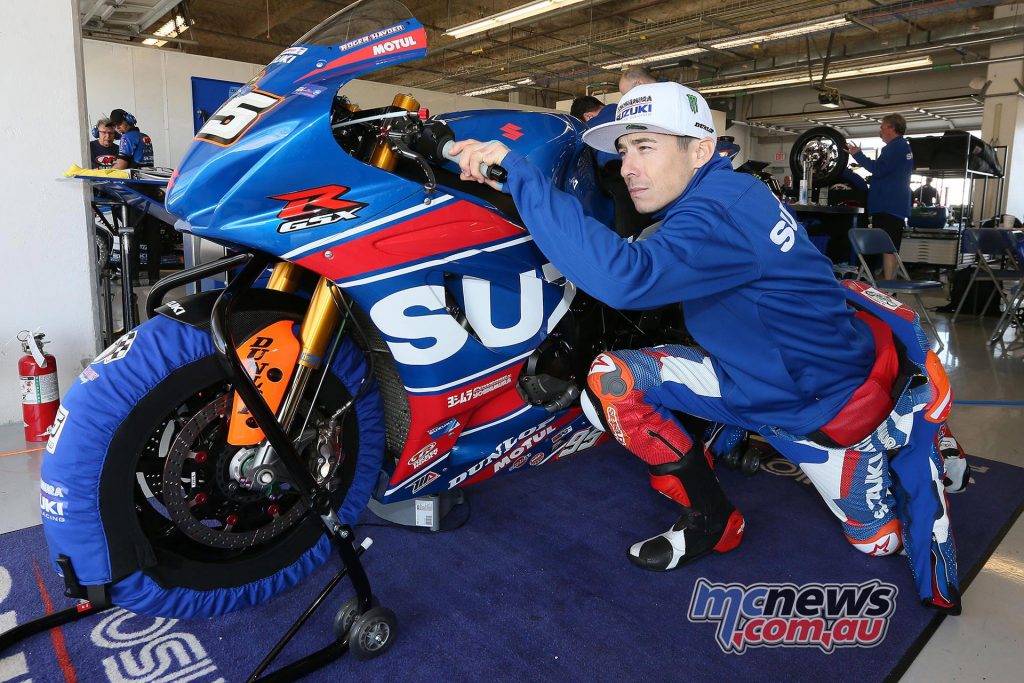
322 316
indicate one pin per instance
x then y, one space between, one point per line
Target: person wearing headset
103 150
135 150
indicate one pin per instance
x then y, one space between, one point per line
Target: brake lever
395 139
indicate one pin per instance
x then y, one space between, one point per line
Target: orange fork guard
269 358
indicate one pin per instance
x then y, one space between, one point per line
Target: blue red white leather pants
885 490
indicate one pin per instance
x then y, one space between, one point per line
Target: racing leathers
782 351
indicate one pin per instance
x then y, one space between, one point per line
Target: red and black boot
709 522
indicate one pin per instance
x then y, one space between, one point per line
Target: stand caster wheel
346 616
372 633
751 462
732 458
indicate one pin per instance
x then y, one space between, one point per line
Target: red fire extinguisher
40 395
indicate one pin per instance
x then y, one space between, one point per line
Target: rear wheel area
186 533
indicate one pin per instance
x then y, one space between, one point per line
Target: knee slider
887 541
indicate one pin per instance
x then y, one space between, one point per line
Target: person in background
103 150
633 76
628 220
889 193
926 195
788 190
585 108
821 382
135 150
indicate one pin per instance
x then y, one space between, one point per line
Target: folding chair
871 241
1011 313
992 247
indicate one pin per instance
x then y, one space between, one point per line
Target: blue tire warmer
92 411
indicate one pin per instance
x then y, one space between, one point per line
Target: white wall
156 86
46 279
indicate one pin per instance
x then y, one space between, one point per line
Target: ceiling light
789 31
526 11
497 88
615 66
838 74
171 29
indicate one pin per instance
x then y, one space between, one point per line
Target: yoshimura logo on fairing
515 447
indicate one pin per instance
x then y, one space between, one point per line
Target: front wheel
150 496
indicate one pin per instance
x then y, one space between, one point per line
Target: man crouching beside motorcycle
838 379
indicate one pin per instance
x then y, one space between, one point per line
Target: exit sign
778 156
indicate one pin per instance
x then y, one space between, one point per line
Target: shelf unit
942 247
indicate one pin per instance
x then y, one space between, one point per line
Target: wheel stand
98 600
372 628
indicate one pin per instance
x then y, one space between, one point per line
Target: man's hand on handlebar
472 153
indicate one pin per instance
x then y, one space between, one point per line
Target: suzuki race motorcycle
411 338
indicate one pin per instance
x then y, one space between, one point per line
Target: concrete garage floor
984 643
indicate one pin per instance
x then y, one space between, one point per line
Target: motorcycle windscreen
255 131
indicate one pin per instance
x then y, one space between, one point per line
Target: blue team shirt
758 296
890 178
136 148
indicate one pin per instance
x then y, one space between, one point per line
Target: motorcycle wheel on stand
824 149
183 538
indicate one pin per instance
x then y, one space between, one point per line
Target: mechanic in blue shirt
135 150
889 194
780 351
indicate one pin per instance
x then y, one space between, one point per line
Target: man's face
122 127
105 135
657 169
887 132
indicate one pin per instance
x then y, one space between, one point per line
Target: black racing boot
709 522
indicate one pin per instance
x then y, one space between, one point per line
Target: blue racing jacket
136 148
758 296
890 178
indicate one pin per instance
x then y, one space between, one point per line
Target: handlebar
496 172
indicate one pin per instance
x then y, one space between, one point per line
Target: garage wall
921 85
156 86
46 280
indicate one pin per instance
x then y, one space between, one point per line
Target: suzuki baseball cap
668 108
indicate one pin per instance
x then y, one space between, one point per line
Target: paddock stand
364 630
359 626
